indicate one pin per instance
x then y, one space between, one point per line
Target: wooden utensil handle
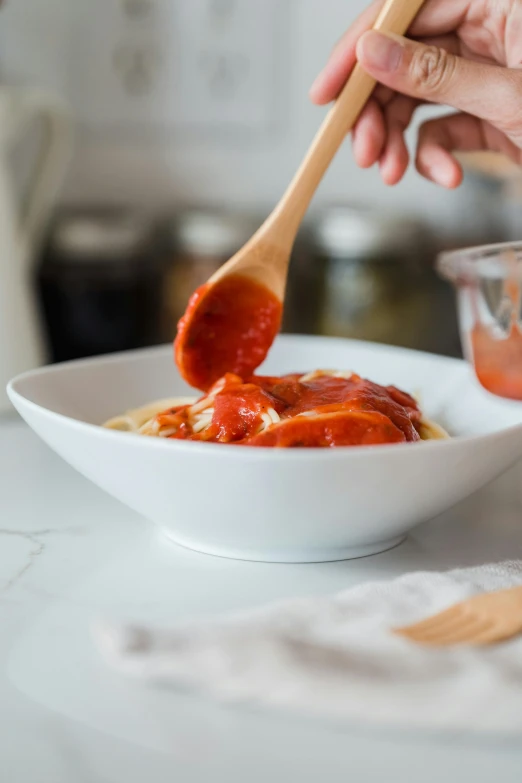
395 17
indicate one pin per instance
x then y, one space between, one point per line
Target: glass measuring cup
488 284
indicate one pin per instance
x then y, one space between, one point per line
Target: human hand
466 54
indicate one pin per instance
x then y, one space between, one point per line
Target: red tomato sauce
228 328
498 362
346 412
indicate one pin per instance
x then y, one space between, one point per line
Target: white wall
39 44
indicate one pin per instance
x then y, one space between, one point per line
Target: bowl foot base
283 556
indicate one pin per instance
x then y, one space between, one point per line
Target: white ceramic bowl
276 505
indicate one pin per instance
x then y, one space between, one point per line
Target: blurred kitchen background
189 118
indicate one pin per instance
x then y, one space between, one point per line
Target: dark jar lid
90 236
346 231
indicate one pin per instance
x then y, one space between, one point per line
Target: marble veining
35 550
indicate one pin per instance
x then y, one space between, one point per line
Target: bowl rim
231 451
475 260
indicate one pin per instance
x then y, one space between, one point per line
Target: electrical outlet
227 62
137 9
175 64
137 66
121 72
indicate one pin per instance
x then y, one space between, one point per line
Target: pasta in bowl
322 409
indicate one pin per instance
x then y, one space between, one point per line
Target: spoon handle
395 17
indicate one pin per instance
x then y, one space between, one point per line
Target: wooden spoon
216 315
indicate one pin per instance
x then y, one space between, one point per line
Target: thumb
432 74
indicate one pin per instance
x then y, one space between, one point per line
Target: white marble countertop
69 554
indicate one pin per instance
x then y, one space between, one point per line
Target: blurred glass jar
100 282
303 286
488 284
376 281
198 242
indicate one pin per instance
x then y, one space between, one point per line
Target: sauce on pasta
320 410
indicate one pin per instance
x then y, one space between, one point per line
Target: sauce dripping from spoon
228 328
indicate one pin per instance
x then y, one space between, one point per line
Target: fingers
395 157
333 77
437 17
438 69
396 116
440 138
440 16
432 74
379 136
369 135
379 132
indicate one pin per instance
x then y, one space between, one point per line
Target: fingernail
378 51
316 86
